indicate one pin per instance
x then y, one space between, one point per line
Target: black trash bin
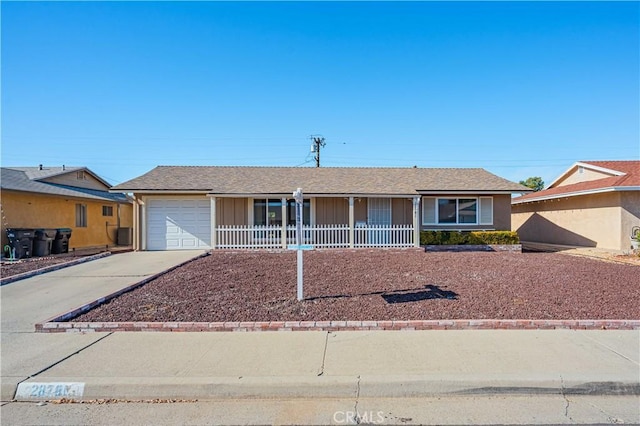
20 242
43 241
61 241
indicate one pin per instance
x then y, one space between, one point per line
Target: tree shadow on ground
429 291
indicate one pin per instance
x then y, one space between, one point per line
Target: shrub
497 237
468 238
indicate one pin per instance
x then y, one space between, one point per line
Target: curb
51 268
365 386
55 325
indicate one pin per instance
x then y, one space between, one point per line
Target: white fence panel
320 236
248 237
384 236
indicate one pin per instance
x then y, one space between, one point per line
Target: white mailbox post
297 195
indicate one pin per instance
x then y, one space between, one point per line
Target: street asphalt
280 364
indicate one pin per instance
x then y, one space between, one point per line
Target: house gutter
161 191
471 192
577 193
310 194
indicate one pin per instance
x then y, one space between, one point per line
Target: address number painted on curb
33 390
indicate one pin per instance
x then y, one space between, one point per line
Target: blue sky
518 88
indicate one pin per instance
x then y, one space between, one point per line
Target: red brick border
83 327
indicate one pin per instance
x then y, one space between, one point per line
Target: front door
378 216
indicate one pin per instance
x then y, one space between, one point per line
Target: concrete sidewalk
347 364
311 364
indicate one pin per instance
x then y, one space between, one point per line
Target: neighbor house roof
30 179
318 181
617 176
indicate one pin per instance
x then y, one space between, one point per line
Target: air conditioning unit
125 236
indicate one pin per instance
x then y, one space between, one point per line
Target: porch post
284 223
214 220
143 224
136 224
352 223
416 221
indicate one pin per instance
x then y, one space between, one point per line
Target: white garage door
179 224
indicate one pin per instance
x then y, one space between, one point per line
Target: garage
179 224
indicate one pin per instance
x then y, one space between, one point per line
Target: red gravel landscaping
364 285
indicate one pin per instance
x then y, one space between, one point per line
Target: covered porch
352 221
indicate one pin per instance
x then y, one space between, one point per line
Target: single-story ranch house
592 204
201 207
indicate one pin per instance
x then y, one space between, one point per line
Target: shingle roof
630 179
40 173
323 180
25 179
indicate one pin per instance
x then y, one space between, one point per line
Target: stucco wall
590 220
502 212
587 175
630 216
30 210
71 179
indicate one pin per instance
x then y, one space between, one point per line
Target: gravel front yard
383 285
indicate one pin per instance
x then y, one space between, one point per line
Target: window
447 209
269 212
107 210
457 211
467 210
81 215
80 175
291 212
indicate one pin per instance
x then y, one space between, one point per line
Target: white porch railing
320 236
384 236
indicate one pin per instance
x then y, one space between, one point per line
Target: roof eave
159 191
78 196
576 193
478 191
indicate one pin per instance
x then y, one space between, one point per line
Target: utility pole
318 142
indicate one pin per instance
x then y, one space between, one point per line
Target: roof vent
40 167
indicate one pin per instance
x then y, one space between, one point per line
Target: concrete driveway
26 302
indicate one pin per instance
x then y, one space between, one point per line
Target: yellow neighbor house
65 197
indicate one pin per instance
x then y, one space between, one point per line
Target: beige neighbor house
253 207
593 204
64 197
